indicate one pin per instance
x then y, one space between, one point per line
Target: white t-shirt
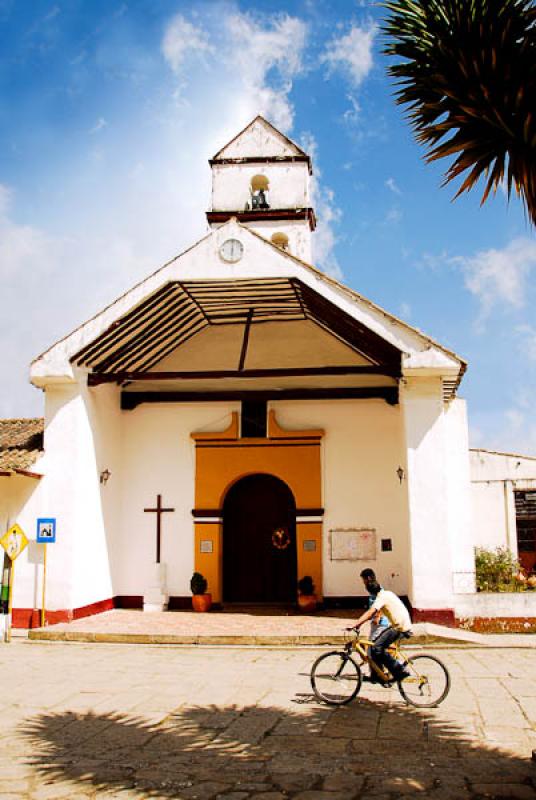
394 609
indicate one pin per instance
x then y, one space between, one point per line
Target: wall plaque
309 545
206 546
353 544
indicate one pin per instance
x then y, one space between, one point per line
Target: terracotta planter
307 602
201 602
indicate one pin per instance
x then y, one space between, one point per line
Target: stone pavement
236 723
245 627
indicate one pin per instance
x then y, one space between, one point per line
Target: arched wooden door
259 541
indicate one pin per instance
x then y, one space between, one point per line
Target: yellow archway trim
222 458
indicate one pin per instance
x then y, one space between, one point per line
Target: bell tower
262 178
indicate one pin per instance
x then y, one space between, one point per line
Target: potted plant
201 599
306 594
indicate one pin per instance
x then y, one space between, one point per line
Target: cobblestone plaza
128 721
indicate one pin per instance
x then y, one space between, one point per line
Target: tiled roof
21 443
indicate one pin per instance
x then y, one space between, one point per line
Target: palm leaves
468 81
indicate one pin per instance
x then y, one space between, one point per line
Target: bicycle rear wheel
428 683
335 678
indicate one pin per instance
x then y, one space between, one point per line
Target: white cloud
99 125
351 114
509 430
390 183
352 53
499 276
181 40
255 58
268 57
328 215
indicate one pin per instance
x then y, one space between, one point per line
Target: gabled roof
259 138
21 444
198 282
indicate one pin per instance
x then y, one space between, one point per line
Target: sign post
13 541
46 533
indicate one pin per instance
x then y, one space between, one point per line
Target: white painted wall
459 496
82 434
159 458
427 466
288 185
258 139
360 484
298 232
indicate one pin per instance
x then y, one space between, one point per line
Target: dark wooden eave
265 214
264 160
290 372
131 399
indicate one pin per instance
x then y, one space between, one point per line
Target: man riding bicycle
389 604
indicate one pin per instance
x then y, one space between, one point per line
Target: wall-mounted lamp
105 476
401 474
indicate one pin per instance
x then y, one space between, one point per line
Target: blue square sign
46 530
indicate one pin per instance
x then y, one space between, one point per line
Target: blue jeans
383 659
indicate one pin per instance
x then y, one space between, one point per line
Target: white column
427 465
459 498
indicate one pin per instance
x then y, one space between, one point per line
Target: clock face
232 250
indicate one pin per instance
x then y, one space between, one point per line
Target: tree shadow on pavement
364 750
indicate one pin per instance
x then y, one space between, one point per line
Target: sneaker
402 675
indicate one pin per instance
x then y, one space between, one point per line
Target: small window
280 240
253 419
525 502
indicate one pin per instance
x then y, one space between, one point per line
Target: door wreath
280 539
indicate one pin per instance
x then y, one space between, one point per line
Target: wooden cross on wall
159 510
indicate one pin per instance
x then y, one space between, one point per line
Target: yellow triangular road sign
14 541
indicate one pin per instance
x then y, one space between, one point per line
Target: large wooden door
259 541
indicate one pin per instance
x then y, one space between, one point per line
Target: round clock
232 250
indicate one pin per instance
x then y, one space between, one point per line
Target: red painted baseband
441 616
31 617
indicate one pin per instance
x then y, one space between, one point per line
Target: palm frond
465 71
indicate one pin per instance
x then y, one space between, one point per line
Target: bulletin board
353 544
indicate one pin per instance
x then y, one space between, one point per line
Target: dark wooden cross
158 511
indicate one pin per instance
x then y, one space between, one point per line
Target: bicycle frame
361 644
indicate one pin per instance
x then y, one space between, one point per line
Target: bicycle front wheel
335 678
428 683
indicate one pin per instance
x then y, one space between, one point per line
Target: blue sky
109 112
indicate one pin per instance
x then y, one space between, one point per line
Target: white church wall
99 437
361 488
427 466
288 185
58 490
459 496
261 139
159 458
298 232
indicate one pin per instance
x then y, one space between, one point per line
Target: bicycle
336 677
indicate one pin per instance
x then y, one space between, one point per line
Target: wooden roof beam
130 400
95 379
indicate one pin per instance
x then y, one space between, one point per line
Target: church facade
242 414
